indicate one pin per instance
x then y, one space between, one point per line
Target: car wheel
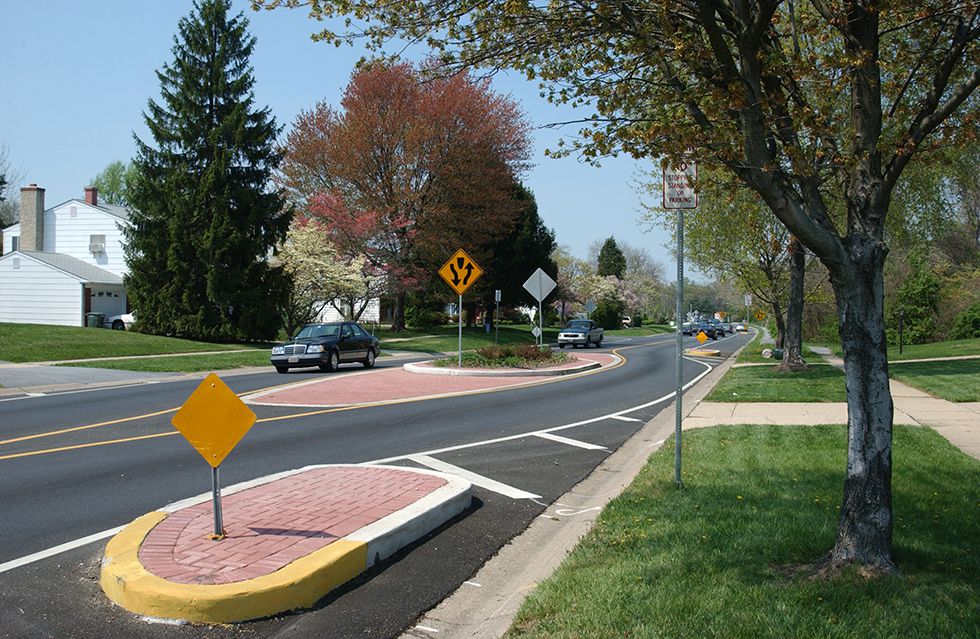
588 342
118 325
561 346
333 361
369 360
599 343
281 369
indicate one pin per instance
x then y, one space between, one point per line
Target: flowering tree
408 171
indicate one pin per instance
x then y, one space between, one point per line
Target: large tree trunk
793 342
398 315
777 315
864 532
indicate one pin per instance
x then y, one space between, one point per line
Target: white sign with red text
679 186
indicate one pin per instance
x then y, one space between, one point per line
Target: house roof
73 266
119 212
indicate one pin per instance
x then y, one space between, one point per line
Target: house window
14 243
16 262
73 211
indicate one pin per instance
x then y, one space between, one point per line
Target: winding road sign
460 271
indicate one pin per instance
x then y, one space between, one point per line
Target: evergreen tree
206 218
611 259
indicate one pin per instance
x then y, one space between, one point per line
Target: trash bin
777 353
94 320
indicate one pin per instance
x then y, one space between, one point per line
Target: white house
60 263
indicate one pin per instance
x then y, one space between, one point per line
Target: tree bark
793 342
777 315
864 532
398 314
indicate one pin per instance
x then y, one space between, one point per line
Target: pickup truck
579 331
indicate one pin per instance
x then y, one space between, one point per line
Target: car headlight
278 350
314 348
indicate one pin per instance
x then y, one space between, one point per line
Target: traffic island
703 352
290 539
580 365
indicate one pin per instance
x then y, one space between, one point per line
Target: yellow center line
335 409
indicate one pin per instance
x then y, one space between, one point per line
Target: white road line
473 478
426 629
57 550
626 419
570 442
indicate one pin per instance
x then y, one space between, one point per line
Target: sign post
496 309
213 420
678 189
748 303
460 271
539 285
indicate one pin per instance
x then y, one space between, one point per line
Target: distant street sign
213 420
460 271
760 315
748 299
590 306
722 314
496 295
536 331
679 186
539 285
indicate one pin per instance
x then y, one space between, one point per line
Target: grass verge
821 383
441 339
183 363
39 343
952 348
709 560
956 380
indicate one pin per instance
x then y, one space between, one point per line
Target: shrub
609 315
967 325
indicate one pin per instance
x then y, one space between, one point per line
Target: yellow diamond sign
702 338
213 420
760 315
460 271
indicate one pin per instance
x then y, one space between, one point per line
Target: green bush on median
519 356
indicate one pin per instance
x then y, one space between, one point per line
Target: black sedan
327 346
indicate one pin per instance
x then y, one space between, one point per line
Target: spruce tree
611 259
206 218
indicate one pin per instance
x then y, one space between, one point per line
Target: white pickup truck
580 332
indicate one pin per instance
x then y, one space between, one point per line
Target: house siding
60 305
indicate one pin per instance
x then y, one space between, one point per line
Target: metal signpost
496 308
213 420
460 271
679 194
539 285
748 303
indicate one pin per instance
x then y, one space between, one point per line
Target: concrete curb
425 368
299 584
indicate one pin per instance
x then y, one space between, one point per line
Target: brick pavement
274 524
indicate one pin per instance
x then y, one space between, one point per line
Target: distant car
120 322
327 346
741 327
709 329
627 321
687 328
580 332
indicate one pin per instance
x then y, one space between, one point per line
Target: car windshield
578 324
319 330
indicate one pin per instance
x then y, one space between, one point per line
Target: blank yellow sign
701 337
213 420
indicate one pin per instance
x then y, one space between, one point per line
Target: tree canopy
819 108
206 219
114 183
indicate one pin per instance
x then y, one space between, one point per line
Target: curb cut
425 369
299 584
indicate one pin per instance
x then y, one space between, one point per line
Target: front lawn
720 557
183 363
821 383
956 380
40 343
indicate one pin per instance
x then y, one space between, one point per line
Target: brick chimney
92 195
32 218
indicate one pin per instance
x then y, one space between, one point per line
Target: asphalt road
82 463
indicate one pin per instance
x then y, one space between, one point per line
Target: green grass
641 331
38 343
752 353
183 363
441 339
952 348
821 383
954 380
716 558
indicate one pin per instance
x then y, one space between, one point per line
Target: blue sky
77 77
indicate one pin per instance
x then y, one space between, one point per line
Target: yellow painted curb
707 352
297 585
